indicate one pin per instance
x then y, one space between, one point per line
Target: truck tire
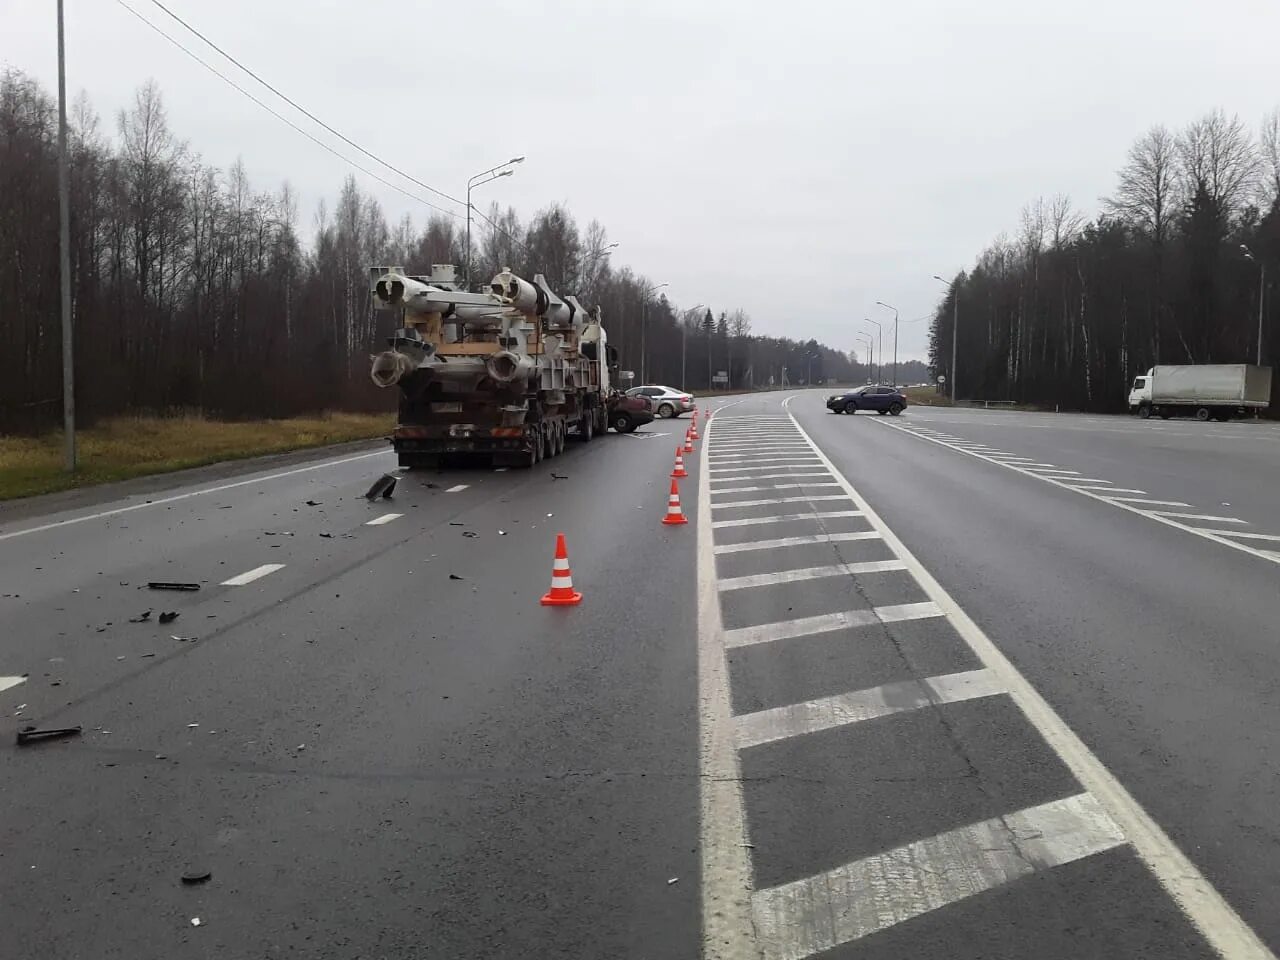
1203 414
586 426
1144 412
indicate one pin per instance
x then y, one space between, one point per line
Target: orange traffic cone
693 428
679 467
561 593
674 515
688 442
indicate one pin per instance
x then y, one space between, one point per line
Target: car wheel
1203 414
850 407
1144 412
666 411
895 409
621 422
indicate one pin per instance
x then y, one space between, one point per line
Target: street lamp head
516 160
506 173
1244 248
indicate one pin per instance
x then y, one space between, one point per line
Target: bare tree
1147 194
1269 148
1217 151
1064 222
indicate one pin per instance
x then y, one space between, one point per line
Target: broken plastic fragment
169 617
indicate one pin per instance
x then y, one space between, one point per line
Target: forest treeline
195 291
1067 310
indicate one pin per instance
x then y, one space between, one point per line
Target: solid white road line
842 710
796 541
783 518
458 488
809 573
251 575
809 916
7 682
1198 516
770 476
827 622
385 518
1244 534
1089 480
772 486
1055 471
186 496
1150 503
1217 921
775 500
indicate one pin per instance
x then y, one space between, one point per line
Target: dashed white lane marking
1055 471
7 682
773 486
797 541
783 518
1198 516
1227 934
186 496
729 504
1247 536
827 713
385 518
770 476
808 573
1073 485
458 488
1099 495
249 576
1149 503
829 622
860 898
1087 480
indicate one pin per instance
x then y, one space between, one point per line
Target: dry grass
137 446
927 397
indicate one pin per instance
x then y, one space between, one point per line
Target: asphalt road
932 686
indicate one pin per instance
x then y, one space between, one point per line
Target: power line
214 70
297 106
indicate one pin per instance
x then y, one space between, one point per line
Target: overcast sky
799 160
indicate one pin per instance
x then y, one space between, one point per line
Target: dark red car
628 411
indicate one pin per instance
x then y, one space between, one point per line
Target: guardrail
986 403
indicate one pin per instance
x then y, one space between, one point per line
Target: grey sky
800 160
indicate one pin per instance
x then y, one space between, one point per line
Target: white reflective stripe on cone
561 582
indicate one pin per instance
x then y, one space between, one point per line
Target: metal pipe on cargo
505 366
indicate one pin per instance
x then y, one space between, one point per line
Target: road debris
145 655
168 617
170 585
556 476
196 921
142 617
192 725
454 576
382 487
314 503
327 536
182 639
673 880
28 735
456 523
502 533
470 533
192 877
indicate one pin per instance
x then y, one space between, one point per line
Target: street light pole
64 257
955 331
644 325
895 339
684 341
1262 292
477 181
881 350
871 354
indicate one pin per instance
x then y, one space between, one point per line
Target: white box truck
1204 390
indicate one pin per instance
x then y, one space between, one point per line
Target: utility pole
684 341
64 252
476 181
1262 291
644 324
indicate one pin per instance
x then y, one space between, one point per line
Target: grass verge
137 446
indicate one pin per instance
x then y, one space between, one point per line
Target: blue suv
880 399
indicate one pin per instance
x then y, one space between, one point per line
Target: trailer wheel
586 426
1144 412
1203 414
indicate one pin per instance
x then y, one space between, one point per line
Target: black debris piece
556 476
470 533
141 618
454 576
327 536
169 617
182 639
192 877
313 503
29 735
382 487
431 486
168 585
456 523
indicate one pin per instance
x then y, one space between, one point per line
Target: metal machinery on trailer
508 373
